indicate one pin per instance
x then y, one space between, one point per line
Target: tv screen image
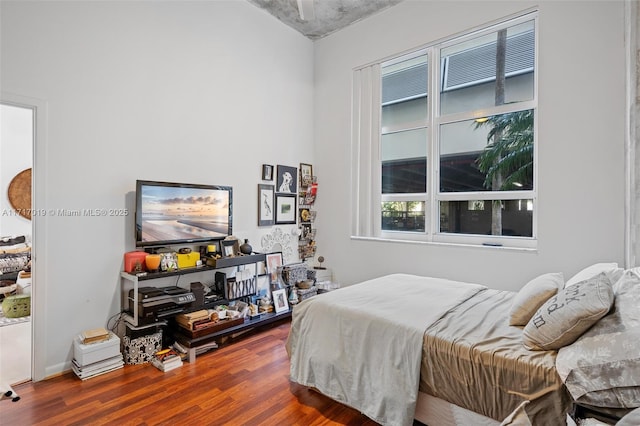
173 213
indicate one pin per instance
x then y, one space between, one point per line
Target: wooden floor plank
244 382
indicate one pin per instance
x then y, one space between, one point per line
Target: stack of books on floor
167 360
96 352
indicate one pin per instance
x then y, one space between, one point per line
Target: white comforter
361 345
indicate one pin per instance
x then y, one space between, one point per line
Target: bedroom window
444 142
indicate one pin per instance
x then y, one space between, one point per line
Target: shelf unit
193 343
134 280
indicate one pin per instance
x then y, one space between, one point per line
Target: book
168 365
167 360
97 368
94 335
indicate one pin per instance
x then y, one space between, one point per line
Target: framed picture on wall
265 205
267 172
286 212
287 179
306 174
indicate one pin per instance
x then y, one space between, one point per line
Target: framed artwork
306 174
265 205
274 260
287 179
280 300
305 215
305 232
229 247
286 212
267 172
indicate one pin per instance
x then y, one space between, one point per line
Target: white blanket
361 345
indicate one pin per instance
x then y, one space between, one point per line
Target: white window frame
366 150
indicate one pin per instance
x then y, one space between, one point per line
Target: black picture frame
287 180
266 210
229 248
286 212
267 172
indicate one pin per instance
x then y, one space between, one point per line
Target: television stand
206 338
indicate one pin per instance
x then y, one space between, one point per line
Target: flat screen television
170 213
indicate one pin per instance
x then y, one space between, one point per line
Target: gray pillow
533 295
602 367
564 317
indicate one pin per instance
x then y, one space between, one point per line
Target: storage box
141 349
188 260
95 352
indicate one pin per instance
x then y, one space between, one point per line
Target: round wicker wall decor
20 193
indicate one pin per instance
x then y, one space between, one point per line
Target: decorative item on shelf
230 246
265 305
273 262
279 282
293 296
320 260
134 261
169 262
153 262
294 273
246 248
280 300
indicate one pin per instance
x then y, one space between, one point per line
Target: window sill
446 244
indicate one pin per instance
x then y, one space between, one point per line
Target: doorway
17 141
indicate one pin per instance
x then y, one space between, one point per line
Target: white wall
581 70
197 92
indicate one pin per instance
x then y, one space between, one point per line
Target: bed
443 352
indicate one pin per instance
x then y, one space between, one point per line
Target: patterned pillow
533 295
602 367
564 317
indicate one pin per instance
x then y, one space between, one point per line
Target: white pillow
590 271
533 295
568 314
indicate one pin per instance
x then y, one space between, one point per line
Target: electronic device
156 303
169 213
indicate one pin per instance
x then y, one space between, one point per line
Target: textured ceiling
324 16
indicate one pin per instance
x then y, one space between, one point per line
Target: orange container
134 261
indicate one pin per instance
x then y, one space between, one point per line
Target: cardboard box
188 260
95 352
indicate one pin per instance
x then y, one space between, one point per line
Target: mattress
474 359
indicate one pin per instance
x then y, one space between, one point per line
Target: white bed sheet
367 351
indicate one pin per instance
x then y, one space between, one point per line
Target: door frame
38 229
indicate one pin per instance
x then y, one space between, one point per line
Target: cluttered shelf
212 264
202 338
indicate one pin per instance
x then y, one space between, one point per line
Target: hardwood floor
244 382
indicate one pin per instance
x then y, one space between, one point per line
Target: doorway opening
17 141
